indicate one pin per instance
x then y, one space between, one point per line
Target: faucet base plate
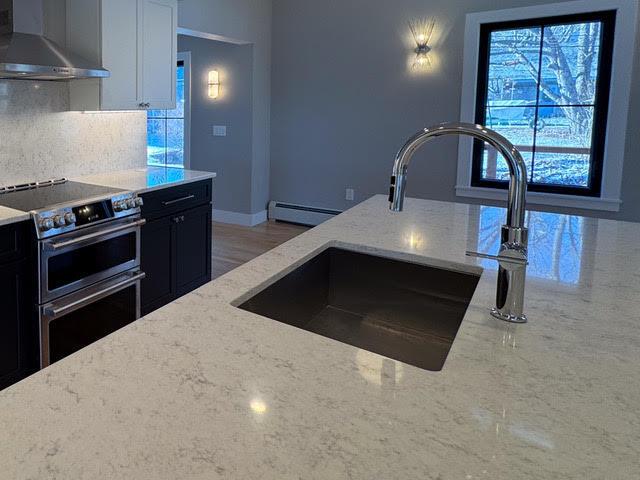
506 317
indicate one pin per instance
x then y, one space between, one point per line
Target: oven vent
300 214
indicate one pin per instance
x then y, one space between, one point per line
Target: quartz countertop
141 180
9 216
200 389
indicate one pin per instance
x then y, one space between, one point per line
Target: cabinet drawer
175 199
13 241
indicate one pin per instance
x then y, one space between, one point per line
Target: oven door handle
60 245
54 312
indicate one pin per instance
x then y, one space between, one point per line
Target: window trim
183 59
619 95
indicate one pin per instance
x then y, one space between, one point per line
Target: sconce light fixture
214 84
422 31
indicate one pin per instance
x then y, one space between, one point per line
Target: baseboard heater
300 214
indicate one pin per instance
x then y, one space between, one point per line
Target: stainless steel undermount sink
404 311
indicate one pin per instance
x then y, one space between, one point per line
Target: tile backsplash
40 139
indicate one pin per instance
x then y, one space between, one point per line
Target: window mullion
537 105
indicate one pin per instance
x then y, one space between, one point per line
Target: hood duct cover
35 57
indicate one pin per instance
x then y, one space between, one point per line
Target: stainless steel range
87 239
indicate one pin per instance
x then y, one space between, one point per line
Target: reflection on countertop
556 243
147 179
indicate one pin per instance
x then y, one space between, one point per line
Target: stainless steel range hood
35 57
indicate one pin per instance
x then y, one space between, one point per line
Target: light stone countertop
203 390
9 216
142 180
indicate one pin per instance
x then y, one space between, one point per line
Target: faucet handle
503 257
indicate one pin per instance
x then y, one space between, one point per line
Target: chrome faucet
512 258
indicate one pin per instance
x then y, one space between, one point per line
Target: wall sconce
422 30
214 84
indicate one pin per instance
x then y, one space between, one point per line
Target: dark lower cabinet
192 236
157 288
18 332
175 248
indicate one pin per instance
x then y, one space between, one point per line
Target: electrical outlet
219 131
349 194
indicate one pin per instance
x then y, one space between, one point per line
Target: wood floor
234 245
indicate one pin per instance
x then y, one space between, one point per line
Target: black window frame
601 100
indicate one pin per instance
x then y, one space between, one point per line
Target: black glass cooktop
49 196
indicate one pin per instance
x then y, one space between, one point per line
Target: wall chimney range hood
30 55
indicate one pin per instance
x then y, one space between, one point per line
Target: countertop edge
9 216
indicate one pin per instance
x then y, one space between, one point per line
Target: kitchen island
202 389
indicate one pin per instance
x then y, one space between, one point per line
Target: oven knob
70 218
139 202
59 221
131 203
46 224
118 206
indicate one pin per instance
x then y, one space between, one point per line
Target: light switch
219 130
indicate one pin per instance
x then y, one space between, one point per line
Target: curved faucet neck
517 169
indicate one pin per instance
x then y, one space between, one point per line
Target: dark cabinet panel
176 248
18 337
193 249
156 248
12 288
14 242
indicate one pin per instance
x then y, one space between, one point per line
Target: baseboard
236 218
301 214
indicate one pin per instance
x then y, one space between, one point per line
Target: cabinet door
157 258
120 50
193 248
159 52
15 324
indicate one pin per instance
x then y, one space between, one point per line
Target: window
167 130
544 85
586 135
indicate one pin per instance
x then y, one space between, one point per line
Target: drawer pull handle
178 200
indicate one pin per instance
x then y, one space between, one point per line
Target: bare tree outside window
541 92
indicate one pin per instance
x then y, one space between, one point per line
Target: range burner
60 206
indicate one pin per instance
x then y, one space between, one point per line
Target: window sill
538 198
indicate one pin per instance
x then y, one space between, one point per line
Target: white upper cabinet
119 25
159 51
136 40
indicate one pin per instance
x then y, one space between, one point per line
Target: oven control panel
69 218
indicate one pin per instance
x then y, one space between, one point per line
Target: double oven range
87 244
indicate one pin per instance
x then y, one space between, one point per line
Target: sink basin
404 311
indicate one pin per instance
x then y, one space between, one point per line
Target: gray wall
344 101
248 21
230 156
